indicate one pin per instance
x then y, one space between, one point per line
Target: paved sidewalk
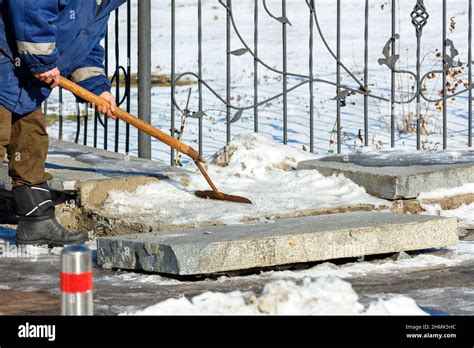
32 287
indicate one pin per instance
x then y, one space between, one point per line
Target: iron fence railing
121 76
420 18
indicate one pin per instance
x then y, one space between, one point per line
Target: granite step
283 242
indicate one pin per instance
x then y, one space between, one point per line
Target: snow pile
255 156
466 189
399 305
251 166
323 296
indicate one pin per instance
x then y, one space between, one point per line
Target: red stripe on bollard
76 283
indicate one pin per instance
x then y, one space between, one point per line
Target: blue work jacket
39 35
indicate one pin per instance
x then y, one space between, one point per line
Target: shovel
157 134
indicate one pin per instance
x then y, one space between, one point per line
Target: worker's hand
49 77
108 111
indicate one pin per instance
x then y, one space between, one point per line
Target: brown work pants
26 141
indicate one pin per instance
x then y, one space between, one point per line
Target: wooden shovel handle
130 119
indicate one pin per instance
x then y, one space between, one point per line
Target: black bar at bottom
415 331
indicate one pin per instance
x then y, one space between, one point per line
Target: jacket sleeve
91 73
33 25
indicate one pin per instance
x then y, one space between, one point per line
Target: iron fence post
228 71
338 77
117 77
392 78
445 75
285 76
173 74
106 120
469 132
311 76
419 20
366 75
255 67
201 106
128 80
144 74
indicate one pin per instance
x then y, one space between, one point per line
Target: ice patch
138 278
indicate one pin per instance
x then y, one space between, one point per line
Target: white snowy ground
252 166
271 120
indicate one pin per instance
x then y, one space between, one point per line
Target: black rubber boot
37 223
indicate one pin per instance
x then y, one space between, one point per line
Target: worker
39 41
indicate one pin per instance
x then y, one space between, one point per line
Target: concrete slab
401 174
300 240
71 164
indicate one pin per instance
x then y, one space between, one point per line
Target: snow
252 166
398 305
403 156
91 244
466 189
464 214
323 296
464 249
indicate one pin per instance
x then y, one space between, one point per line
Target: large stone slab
400 174
70 164
291 241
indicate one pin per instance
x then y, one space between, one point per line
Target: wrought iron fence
121 75
420 18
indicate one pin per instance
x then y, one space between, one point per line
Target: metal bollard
76 281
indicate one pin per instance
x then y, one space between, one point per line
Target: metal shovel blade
219 196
